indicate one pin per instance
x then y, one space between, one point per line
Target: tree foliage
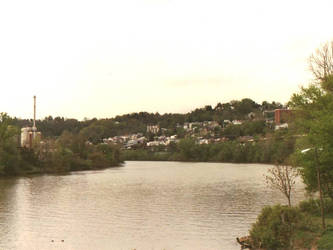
68 152
258 151
276 227
9 156
314 106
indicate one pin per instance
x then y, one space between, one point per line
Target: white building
154 129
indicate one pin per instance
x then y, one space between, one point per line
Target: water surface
143 205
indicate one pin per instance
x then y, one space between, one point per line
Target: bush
276 227
312 206
326 241
98 160
304 240
329 206
80 164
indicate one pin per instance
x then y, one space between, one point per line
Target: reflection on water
144 205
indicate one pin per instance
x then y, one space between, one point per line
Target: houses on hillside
202 132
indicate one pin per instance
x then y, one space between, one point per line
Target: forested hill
137 122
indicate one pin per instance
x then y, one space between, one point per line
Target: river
142 205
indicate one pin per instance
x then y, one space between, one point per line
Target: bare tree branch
282 178
321 62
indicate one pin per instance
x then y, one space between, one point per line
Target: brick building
282 116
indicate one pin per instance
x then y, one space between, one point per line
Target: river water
142 205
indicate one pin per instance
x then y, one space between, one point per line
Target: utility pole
320 191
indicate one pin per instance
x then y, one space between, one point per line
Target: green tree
10 159
7 131
94 133
314 106
188 150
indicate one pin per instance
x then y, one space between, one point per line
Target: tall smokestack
34 125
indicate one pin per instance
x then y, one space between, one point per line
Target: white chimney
34 124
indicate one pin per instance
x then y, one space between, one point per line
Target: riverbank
35 171
59 158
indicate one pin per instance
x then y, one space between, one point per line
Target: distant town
237 120
203 132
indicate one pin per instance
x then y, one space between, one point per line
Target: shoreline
50 172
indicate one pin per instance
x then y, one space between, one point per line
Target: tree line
274 149
68 152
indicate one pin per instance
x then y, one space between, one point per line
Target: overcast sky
107 58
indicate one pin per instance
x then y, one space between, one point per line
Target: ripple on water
143 205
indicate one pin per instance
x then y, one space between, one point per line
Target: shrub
80 164
276 227
326 241
312 206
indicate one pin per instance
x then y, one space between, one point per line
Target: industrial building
30 134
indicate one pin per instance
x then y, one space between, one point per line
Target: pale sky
107 58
